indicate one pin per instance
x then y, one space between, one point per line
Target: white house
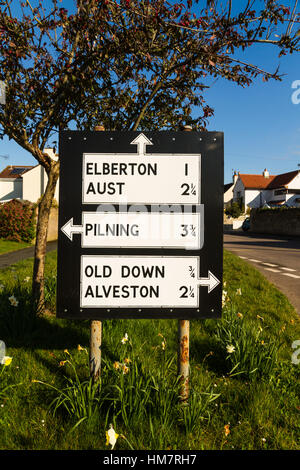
25 182
273 190
228 190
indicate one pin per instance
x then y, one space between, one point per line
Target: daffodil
27 279
240 315
226 429
125 369
230 348
239 291
116 365
127 360
6 360
80 348
111 437
124 339
13 301
67 352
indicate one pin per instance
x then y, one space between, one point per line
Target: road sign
152 281
138 229
141 225
114 178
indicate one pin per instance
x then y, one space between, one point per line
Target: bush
235 210
17 221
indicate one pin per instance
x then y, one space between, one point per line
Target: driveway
7 259
276 257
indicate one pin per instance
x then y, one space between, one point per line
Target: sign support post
95 335
183 358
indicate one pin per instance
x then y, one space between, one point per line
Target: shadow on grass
207 352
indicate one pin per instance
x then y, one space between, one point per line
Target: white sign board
147 281
138 230
141 179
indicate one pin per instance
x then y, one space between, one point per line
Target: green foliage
250 352
17 221
259 409
234 210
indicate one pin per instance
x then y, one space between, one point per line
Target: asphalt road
7 259
276 257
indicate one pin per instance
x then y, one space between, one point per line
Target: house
25 182
228 190
274 190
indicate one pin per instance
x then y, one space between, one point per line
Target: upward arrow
141 141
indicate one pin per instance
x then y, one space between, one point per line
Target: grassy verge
244 385
6 246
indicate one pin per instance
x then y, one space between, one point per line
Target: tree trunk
44 208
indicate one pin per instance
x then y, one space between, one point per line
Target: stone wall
53 225
275 221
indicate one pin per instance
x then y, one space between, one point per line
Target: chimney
235 177
266 174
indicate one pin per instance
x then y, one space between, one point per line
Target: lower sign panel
140 282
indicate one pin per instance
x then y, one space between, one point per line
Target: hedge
17 221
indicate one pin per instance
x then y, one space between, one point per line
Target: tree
126 64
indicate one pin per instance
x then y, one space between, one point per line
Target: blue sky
261 124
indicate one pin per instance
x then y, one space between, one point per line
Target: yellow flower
240 315
80 348
230 348
6 361
239 291
127 360
259 317
116 365
62 363
226 429
67 352
111 437
125 369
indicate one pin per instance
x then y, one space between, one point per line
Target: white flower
239 291
111 437
27 279
13 301
224 297
125 339
230 348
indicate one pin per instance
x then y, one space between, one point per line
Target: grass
7 246
52 404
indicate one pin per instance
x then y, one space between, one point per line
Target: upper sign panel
141 179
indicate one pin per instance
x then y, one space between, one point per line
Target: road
276 257
7 259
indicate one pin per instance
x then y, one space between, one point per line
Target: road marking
243 257
291 275
272 265
274 270
254 260
289 269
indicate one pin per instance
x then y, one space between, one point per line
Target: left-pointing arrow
68 229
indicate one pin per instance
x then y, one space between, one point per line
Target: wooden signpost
141 227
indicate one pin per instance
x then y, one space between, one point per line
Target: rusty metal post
95 334
183 357
184 342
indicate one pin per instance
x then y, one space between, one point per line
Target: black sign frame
72 146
